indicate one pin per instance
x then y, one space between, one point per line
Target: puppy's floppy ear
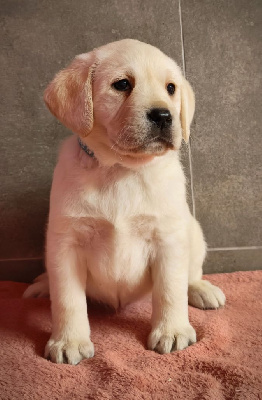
187 108
69 95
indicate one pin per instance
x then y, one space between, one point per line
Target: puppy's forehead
136 58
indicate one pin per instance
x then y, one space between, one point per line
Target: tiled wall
218 45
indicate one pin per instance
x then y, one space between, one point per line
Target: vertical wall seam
189 145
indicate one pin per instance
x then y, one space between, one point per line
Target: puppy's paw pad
68 352
202 294
165 340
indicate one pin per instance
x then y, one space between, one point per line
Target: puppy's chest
117 217
118 223
117 257
120 216
100 234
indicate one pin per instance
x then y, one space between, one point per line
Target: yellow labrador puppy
119 224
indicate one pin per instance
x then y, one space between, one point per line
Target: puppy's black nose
161 117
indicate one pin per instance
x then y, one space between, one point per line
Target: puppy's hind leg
40 287
201 293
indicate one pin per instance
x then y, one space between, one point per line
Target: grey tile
233 260
222 41
38 39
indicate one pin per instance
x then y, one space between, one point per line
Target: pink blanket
225 363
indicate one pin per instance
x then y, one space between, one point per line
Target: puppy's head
127 100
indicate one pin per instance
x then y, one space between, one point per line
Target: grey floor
217 43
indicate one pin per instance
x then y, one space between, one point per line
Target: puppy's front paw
68 352
164 340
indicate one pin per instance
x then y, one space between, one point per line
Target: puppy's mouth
154 147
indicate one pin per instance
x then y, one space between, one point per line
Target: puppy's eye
122 85
171 88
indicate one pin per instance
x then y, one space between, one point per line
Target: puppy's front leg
170 325
70 340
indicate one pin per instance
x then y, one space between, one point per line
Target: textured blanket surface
225 363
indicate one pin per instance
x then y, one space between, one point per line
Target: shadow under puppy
119 224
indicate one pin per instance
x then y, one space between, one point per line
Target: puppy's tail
40 287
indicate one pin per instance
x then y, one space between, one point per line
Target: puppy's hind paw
40 287
202 294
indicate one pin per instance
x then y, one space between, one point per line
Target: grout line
191 181
181 35
209 249
234 248
189 145
22 259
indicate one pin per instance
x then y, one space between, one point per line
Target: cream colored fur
119 224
